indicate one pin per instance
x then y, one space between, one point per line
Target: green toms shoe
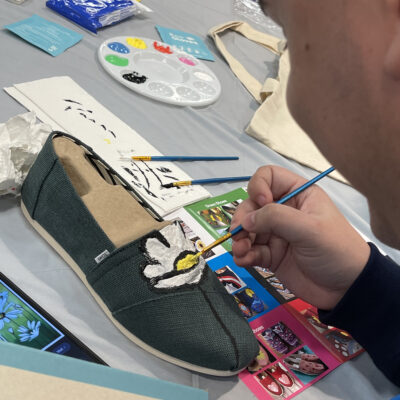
128 257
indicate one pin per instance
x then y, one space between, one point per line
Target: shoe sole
68 259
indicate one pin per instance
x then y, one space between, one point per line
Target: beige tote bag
272 124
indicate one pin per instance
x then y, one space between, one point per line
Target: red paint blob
162 49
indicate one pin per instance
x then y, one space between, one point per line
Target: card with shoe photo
337 341
291 350
250 296
215 214
305 365
278 382
272 284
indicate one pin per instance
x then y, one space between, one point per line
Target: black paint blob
135 77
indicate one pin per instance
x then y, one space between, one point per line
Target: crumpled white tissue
21 139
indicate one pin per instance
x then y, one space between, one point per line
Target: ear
392 59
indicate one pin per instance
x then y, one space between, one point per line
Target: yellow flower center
187 262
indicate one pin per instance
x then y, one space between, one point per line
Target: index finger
244 208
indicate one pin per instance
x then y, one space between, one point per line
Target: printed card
48 36
290 359
187 42
215 214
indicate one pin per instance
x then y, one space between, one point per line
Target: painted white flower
164 253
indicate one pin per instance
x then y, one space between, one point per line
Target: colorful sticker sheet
296 348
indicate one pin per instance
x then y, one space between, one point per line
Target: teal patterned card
191 44
48 36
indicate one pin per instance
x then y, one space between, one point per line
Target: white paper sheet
62 103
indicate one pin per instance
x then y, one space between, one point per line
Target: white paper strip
63 104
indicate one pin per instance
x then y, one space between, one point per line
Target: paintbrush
178 158
191 259
207 181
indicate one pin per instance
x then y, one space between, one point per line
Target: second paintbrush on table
207 181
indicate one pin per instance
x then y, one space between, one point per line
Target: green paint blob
116 60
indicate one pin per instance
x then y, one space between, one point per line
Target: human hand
306 242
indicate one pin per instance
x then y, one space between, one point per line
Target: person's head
344 91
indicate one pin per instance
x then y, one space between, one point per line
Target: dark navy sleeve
370 312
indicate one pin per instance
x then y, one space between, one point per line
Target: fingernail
251 220
261 200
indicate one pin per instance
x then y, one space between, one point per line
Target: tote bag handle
270 42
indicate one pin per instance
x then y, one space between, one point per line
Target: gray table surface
35 267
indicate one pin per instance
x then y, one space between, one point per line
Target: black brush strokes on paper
144 176
83 112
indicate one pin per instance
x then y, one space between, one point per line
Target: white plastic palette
156 70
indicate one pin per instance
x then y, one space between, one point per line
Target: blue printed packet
95 14
48 36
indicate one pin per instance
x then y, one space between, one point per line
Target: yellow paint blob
136 42
187 262
108 141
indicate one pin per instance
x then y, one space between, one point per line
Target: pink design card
290 358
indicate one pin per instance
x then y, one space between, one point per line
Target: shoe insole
120 216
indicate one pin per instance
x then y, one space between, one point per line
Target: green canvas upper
200 324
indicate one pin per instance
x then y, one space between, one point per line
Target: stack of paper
66 107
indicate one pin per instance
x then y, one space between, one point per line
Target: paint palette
158 71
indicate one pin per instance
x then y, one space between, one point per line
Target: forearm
370 312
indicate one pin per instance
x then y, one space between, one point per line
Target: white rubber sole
67 258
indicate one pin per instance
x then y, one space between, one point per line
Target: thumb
279 220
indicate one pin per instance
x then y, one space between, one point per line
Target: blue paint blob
118 47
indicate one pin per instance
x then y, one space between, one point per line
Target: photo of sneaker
286 334
229 279
251 300
281 376
306 362
274 341
244 309
270 384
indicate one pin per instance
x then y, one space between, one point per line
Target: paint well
162 49
187 61
204 88
135 77
116 60
187 93
118 47
137 43
160 88
203 76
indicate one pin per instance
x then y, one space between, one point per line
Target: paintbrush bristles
216 243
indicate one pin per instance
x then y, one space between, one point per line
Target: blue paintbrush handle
191 158
219 180
292 194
